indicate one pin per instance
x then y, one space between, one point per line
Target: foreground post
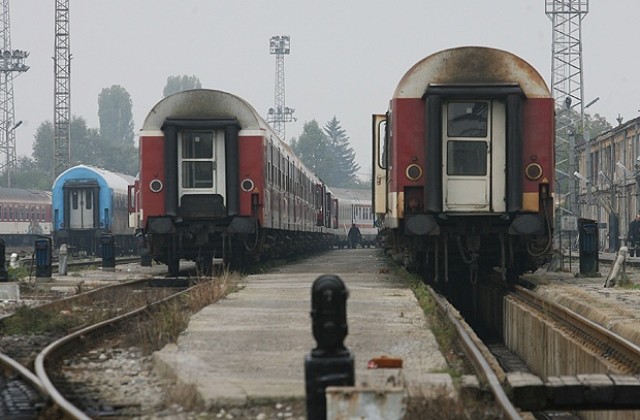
330 363
4 276
43 259
108 253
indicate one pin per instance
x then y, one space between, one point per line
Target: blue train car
88 202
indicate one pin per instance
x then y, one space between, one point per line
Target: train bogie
464 164
89 202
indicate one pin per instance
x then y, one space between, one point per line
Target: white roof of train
115 180
352 194
22 195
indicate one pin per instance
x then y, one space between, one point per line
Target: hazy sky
346 57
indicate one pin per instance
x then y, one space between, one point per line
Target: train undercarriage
464 250
87 242
208 245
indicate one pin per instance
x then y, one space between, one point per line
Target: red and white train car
24 215
354 207
464 164
216 182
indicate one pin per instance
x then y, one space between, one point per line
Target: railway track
610 360
485 366
73 323
30 264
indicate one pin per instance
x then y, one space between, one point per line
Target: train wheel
173 259
173 265
204 266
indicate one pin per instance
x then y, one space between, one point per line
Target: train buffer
581 392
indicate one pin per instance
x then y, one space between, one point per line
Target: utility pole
566 73
280 114
61 90
11 61
566 81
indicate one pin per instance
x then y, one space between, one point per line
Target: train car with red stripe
354 208
216 182
463 165
24 216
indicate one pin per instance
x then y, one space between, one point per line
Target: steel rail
620 344
478 360
49 351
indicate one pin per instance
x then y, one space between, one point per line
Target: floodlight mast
11 61
566 76
280 114
62 90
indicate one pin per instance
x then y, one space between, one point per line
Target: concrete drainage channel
579 365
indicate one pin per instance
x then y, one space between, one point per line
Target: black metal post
4 276
43 258
107 251
588 242
330 363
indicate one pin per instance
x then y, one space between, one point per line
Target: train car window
74 200
197 145
89 200
466 157
383 140
197 174
467 119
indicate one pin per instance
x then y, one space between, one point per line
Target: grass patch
624 281
36 321
444 332
167 320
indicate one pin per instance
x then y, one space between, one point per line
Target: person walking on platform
354 236
633 237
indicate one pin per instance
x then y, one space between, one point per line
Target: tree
345 167
327 153
116 115
86 144
312 147
177 84
42 149
88 147
30 175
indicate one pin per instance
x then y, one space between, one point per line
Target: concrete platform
251 346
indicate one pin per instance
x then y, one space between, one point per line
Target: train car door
81 205
380 181
201 160
474 156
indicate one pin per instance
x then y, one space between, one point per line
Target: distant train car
24 215
88 202
354 207
464 165
216 182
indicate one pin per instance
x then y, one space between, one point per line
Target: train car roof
352 194
114 180
201 104
462 65
22 195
